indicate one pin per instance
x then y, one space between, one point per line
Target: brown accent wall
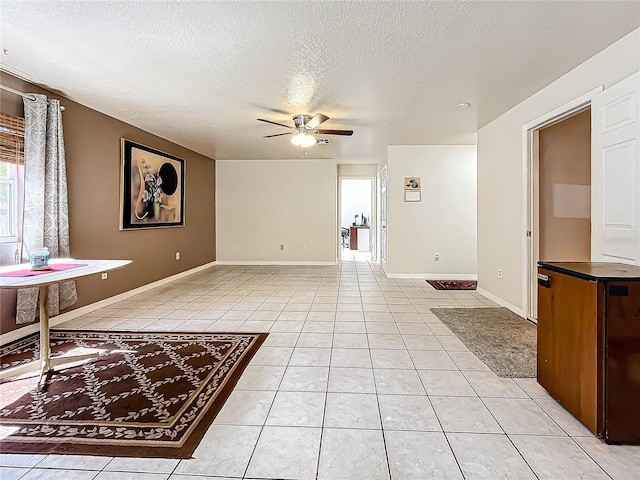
92 142
564 158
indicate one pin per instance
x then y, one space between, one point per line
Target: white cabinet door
363 240
615 173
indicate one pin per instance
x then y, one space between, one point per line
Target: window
11 162
8 203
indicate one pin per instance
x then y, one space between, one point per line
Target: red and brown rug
148 395
453 284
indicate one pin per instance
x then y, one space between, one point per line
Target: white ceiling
200 73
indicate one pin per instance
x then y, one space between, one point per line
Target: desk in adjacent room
359 238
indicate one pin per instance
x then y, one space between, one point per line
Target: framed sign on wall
412 189
151 188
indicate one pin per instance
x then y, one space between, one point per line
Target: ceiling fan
304 128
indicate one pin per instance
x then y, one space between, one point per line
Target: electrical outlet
499 273
234 246
281 247
104 276
437 257
304 247
177 255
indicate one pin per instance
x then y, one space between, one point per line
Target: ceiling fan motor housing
300 120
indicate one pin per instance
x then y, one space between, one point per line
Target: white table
45 363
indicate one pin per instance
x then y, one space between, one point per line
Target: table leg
45 363
45 348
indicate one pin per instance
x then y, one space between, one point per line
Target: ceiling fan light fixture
303 139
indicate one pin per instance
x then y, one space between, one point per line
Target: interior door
615 173
383 218
372 221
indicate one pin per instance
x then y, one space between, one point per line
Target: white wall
364 170
261 204
501 222
356 199
443 222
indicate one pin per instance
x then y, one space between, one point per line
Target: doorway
357 219
564 190
383 219
560 225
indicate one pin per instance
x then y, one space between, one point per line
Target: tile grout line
174 469
375 384
180 461
572 438
326 393
262 427
278 389
591 457
528 434
435 412
499 425
497 422
455 457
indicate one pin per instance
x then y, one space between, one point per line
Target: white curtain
46 209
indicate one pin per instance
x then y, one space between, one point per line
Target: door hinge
529 233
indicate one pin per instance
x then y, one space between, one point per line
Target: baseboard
434 276
273 262
517 310
78 312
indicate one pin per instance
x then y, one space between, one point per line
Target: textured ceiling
200 73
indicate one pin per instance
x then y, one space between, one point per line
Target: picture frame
412 189
151 187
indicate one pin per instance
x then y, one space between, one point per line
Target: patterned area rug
453 284
504 341
149 394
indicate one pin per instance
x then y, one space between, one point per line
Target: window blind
11 138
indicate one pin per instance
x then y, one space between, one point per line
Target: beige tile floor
357 380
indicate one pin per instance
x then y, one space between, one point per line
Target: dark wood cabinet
570 343
353 238
589 344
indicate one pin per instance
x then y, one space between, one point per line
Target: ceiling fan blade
277 135
335 132
274 123
316 120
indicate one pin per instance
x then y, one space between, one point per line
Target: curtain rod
22 94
